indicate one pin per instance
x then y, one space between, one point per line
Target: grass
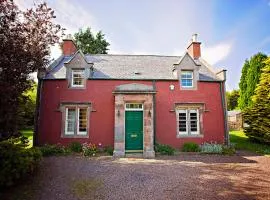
242 142
29 135
86 188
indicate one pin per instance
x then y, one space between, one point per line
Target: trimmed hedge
190 147
164 149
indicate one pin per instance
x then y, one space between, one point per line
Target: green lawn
241 141
29 135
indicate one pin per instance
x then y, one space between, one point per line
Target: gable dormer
78 70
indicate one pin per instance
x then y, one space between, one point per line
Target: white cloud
218 52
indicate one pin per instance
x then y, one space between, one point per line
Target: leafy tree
90 43
25 40
250 77
232 99
27 107
258 115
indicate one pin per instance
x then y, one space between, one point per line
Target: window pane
82 121
182 121
193 120
70 121
77 77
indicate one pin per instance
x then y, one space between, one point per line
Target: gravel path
176 177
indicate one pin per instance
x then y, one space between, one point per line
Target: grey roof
233 112
134 87
134 67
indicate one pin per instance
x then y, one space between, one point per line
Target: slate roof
133 67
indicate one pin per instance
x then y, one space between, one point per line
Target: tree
26 108
91 44
243 100
232 99
258 115
25 40
250 77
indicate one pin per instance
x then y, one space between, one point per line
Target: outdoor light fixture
171 87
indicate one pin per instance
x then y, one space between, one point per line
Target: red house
131 102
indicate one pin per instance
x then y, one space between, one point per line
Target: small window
188 122
134 106
76 121
187 79
78 78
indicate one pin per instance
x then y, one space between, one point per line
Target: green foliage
232 99
257 117
52 150
190 147
164 149
250 77
27 107
242 142
228 150
89 149
75 147
16 161
108 150
90 43
211 148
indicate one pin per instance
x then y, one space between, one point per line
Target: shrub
51 150
211 148
89 149
108 150
228 150
190 147
75 147
16 162
164 149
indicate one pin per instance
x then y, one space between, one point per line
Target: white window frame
80 72
188 131
76 132
192 78
134 109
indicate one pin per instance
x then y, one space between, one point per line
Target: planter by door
134 131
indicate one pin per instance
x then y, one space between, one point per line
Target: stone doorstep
134 155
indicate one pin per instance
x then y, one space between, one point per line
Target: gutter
154 111
225 112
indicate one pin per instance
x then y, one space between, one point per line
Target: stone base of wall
149 154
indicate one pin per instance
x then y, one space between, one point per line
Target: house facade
131 102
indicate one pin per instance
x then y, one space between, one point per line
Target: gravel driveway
176 177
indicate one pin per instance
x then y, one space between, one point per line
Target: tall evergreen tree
243 100
258 115
250 77
90 43
232 99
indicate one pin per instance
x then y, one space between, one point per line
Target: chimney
68 47
194 49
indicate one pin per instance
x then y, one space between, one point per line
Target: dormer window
187 79
77 78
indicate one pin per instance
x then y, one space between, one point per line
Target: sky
230 30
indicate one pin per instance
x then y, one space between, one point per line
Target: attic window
77 78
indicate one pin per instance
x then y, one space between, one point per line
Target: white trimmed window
77 77
187 79
188 121
76 121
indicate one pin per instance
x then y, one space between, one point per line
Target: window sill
77 88
75 136
189 136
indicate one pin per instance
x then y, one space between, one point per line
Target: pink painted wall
99 93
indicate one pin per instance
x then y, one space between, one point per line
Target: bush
164 149
89 149
108 150
228 150
75 147
16 162
211 148
190 147
51 150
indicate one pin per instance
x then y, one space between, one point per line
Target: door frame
133 109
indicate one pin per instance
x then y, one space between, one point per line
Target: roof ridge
131 55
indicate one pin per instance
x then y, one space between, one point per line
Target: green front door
134 131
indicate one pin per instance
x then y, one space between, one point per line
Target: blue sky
230 30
